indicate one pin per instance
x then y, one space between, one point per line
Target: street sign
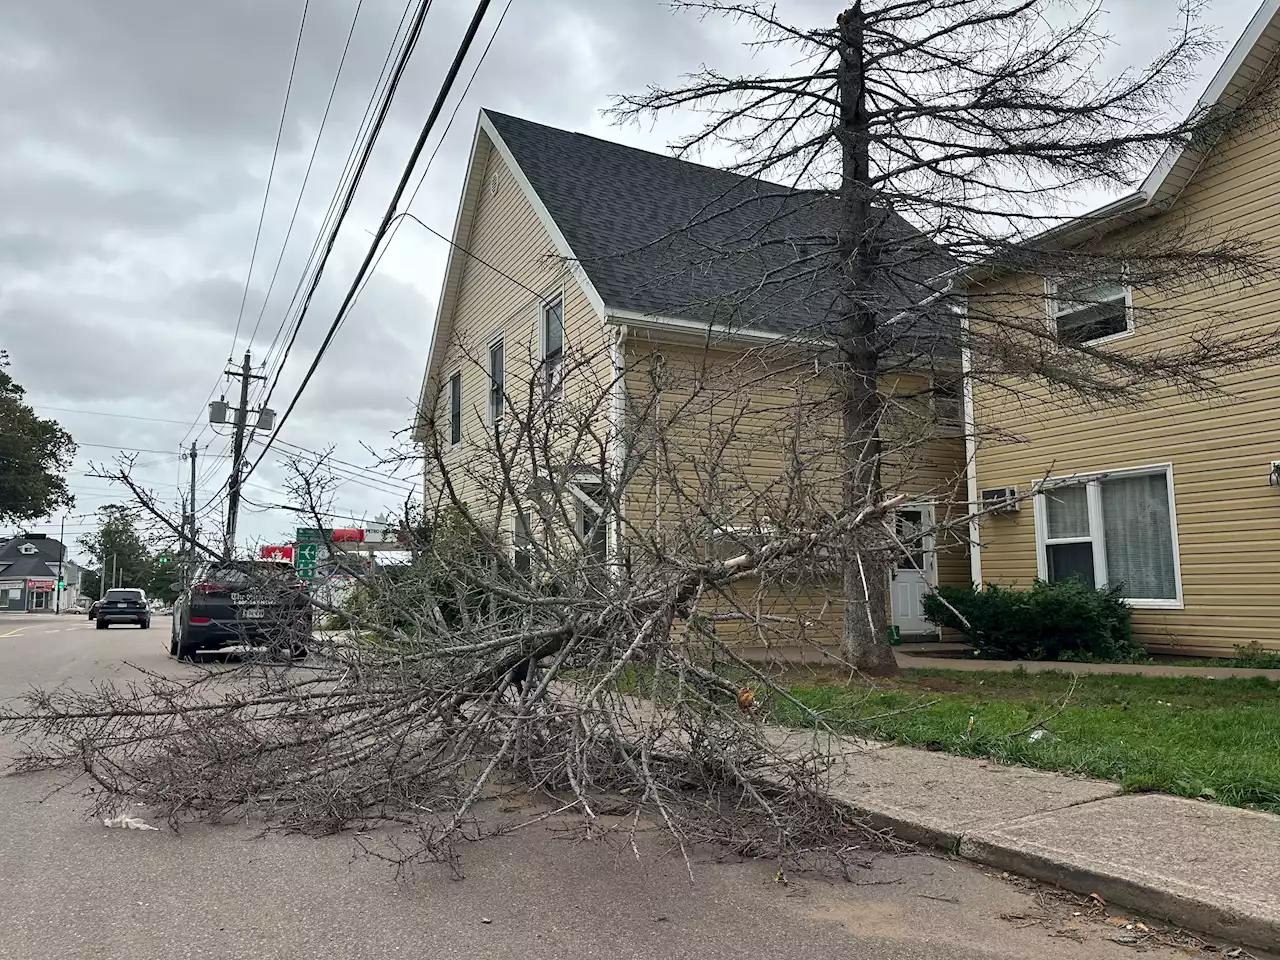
313 535
306 558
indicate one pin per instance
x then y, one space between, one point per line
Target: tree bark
866 574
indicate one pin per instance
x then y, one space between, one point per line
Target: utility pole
240 416
189 522
62 551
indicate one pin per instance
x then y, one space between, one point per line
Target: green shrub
1254 656
1051 621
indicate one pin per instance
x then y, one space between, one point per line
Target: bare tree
516 647
974 123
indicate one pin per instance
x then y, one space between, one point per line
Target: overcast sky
135 142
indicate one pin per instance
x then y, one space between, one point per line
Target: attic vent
27 549
495 184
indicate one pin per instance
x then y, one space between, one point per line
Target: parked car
123 605
250 603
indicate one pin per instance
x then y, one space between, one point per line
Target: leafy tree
34 455
122 546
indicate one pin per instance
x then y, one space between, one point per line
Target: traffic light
61 583
164 559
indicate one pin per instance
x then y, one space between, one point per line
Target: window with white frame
1116 529
593 530
497 382
455 409
553 347
1082 311
522 543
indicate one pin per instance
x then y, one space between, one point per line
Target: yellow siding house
1176 499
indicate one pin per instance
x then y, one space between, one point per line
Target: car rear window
241 572
124 595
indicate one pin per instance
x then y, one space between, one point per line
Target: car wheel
173 641
183 648
102 624
143 624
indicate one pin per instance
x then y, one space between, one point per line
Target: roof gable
1244 65
486 144
27 546
649 235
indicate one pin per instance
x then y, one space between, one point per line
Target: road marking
12 633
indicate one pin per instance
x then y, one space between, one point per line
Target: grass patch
1189 736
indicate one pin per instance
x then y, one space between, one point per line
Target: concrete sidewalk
1207 867
910 660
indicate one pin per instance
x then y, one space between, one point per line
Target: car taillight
205 588
200 621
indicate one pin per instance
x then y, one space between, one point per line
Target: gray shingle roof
664 236
16 565
34 567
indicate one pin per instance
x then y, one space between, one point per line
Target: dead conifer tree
975 122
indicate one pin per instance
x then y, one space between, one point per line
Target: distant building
29 574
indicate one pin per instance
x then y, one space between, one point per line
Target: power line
324 119
354 466
275 155
436 108
384 107
439 143
121 416
342 179
328 225
334 215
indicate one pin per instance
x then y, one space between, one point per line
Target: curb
985 847
1203 916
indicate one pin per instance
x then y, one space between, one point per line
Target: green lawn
1190 736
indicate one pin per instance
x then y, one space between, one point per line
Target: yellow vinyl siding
1221 446
735 416
507 234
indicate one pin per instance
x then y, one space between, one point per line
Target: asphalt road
71 889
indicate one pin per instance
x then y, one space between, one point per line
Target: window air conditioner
1001 500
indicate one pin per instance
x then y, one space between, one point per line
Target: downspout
617 443
970 449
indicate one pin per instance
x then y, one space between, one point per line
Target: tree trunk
866 573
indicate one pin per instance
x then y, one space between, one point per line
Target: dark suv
251 603
123 605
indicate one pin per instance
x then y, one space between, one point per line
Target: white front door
915 569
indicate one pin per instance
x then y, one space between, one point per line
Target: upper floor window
948 398
1085 311
455 409
497 382
553 347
